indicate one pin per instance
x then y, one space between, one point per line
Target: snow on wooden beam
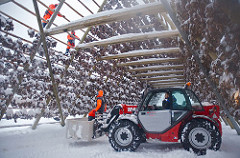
131 37
168 19
158 67
146 26
108 17
162 78
169 84
150 61
157 73
144 52
166 81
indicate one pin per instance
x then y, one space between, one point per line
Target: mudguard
119 112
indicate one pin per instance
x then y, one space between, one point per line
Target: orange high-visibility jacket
99 101
71 37
99 104
48 12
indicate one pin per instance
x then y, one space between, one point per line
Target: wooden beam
161 19
162 78
96 3
86 7
213 55
108 17
54 85
131 37
158 67
73 9
168 20
166 81
144 52
146 26
174 84
157 73
150 61
28 10
9 33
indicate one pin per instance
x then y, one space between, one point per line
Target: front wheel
200 135
124 136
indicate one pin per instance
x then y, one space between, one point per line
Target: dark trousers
44 24
90 118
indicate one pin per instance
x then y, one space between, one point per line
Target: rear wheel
200 135
124 136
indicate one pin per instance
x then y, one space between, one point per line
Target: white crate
79 129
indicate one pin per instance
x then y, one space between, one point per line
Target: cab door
180 105
152 116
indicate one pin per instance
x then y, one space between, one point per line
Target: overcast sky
22 15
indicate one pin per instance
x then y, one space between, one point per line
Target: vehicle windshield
196 104
146 100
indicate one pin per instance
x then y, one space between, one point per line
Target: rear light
214 112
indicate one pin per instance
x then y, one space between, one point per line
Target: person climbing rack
71 41
48 13
187 85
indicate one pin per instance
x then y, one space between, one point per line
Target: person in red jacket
100 106
48 13
71 41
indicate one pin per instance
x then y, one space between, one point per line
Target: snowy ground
48 141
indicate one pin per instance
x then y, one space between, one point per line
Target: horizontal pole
162 78
131 37
166 81
22 23
28 10
150 61
144 52
168 19
86 7
157 73
158 67
73 9
107 17
96 3
168 85
146 26
8 33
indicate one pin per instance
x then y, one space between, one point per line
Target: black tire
124 136
200 135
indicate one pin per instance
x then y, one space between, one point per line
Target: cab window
179 101
154 101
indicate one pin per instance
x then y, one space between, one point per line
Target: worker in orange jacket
100 106
48 13
71 41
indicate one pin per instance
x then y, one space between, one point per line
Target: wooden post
238 121
55 89
224 120
230 123
34 126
